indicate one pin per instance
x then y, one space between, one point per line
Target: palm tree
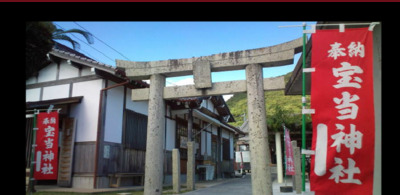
40 39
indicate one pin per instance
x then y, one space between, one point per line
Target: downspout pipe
100 127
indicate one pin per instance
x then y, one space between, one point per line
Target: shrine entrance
252 61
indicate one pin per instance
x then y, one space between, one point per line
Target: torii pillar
258 133
155 137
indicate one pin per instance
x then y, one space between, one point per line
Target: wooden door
66 152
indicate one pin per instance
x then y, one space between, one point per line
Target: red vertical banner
343 123
46 165
289 154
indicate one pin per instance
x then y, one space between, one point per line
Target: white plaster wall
114 114
32 95
170 134
67 70
48 73
137 106
206 145
56 92
86 71
86 113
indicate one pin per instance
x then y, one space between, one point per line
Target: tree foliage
40 39
38 43
279 107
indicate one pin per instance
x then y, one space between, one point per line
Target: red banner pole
31 176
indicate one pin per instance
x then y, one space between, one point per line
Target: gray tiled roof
73 55
65 52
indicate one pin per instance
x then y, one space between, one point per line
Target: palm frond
88 36
60 34
75 45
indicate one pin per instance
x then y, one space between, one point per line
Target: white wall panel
114 114
137 106
86 113
206 142
48 73
86 71
56 92
32 95
67 70
170 134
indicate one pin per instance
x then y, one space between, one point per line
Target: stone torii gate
252 60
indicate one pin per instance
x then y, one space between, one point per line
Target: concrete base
82 182
286 189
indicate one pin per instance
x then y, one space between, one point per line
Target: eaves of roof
82 60
222 108
64 52
195 102
199 113
61 101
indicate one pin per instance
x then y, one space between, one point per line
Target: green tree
279 117
40 39
38 43
280 109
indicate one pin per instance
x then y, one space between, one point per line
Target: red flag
289 154
46 152
343 123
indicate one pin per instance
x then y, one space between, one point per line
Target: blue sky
150 41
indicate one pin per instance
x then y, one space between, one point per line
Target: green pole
303 117
31 178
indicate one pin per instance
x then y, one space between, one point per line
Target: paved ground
234 186
241 186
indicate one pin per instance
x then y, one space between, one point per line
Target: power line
104 42
88 44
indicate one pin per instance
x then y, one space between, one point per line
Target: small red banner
343 123
46 165
289 154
